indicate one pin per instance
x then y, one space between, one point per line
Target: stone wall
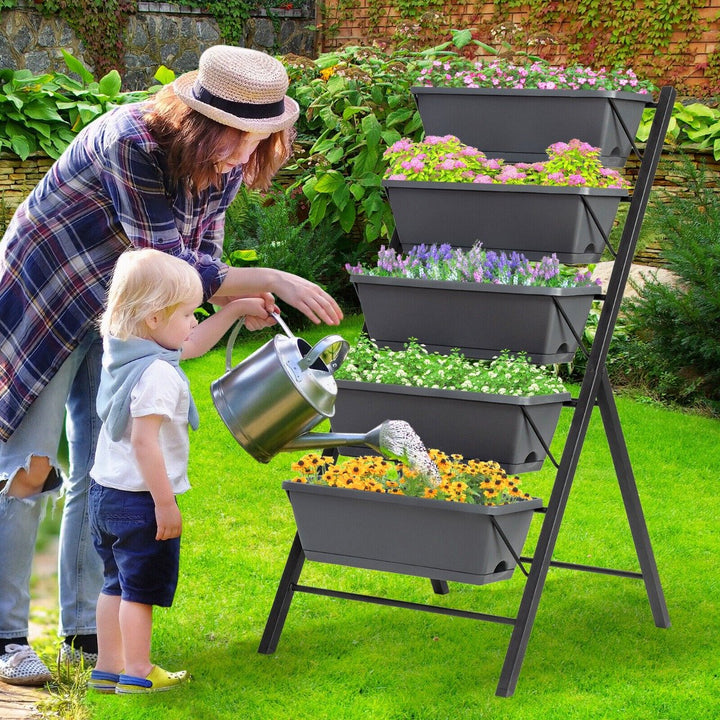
17 178
158 34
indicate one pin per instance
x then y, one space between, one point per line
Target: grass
594 651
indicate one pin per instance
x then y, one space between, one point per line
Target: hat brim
183 87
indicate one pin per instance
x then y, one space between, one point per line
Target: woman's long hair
195 145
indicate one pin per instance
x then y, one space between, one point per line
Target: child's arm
144 438
210 330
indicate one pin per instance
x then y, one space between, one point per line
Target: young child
141 462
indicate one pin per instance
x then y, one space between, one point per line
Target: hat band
249 111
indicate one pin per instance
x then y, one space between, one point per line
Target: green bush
674 331
45 112
271 229
354 103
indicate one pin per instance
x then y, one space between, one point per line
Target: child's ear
152 321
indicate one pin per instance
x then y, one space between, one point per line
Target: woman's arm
302 294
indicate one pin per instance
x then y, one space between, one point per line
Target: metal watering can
272 399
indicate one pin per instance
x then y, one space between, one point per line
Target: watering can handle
320 347
231 343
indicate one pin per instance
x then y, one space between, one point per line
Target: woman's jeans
69 400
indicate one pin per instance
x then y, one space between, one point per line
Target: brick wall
365 24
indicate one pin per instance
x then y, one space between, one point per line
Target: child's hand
169 521
257 310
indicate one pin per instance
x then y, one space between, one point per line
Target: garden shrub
673 343
271 229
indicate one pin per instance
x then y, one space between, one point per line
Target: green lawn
594 651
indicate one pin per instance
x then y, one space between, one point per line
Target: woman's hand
309 298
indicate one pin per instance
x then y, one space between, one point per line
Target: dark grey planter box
480 319
413 536
476 425
519 125
572 222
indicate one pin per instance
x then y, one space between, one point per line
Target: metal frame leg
631 500
283 598
596 387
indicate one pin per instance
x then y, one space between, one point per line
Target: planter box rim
522 505
468 286
485 187
646 98
455 394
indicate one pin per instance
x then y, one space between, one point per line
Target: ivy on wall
100 24
652 37
617 33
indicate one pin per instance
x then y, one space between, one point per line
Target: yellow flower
461 481
327 73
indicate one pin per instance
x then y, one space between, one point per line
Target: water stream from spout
400 442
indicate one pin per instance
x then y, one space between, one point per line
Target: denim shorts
137 567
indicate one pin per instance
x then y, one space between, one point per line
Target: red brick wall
363 25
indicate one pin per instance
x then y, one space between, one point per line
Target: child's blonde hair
145 282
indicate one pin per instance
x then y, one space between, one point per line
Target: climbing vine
100 24
652 37
617 33
232 15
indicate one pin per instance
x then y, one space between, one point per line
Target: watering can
272 399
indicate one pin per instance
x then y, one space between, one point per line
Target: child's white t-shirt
160 391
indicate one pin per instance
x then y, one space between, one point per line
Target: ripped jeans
68 401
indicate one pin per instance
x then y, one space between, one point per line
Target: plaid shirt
107 192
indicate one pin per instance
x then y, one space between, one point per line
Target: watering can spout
372 439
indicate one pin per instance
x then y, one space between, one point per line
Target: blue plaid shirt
106 193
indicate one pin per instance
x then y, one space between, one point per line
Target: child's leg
110 647
140 675
136 630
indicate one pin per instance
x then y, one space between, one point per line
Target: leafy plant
692 127
442 262
353 103
474 482
271 229
677 327
45 112
416 367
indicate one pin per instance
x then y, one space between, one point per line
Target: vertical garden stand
595 389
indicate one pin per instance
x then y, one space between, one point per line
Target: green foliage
676 328
617 33
45 112
231 15
271 229
414 366
354 103
100 24
693 127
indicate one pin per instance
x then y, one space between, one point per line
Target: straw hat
239 87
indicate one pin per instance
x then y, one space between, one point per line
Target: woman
155 174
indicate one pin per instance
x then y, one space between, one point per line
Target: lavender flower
442 262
